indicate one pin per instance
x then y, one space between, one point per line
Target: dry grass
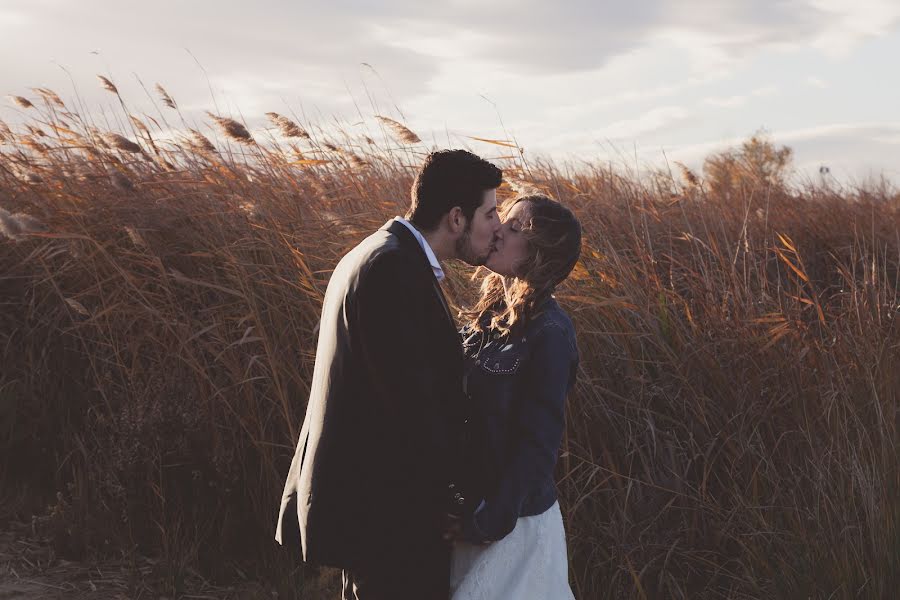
165 97
232 129
21 101
287 127
400 131
107 85
734 430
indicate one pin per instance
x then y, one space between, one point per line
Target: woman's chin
495 266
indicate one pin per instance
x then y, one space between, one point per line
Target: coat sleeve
537 428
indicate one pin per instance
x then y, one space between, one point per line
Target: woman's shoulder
551 325
551 315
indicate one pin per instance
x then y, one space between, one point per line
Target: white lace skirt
529 564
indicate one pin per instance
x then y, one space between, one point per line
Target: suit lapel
443 299
409 241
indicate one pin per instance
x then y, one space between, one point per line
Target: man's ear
456 220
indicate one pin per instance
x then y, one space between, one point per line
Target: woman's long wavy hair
553 237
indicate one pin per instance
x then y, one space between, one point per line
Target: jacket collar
426 247
408 241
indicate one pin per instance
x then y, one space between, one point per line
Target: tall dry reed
734 432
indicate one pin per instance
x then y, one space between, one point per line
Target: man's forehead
489 202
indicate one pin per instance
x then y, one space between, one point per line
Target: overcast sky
577 80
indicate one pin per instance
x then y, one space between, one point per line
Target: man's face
477 241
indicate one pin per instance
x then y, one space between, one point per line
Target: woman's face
511 248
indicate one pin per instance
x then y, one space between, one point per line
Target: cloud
317 48
556 71
263 53
849 150
655 120
537 37
816 82
11 19
540 37
764 91
648 124
852 21
726 102
738 100
839 129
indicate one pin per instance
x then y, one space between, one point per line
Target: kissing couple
424 467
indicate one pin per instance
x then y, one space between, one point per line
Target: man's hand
453 528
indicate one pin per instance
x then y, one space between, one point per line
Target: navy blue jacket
517 385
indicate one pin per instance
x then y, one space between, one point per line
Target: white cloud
726 102
850 150
816 82
839 129
652 121
851 21
11 19
431 40
765 91
558 73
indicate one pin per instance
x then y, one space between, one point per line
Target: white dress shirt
432 259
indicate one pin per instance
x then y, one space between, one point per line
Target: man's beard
465 252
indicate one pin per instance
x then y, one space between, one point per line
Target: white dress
528 564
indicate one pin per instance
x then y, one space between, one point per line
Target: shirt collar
429 253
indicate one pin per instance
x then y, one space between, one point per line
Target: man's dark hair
450 178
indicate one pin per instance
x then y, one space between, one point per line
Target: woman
521 359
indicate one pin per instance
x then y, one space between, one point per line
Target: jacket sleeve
391 304
538 422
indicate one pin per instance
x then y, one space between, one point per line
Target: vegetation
734 432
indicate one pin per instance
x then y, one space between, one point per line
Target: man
372 479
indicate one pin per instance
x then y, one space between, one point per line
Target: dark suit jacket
375 458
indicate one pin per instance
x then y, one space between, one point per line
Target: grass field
733 434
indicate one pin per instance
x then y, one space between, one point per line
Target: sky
633 84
